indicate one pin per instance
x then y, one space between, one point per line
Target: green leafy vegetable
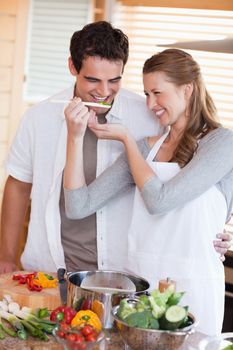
160 310
125 309
229 347
143 319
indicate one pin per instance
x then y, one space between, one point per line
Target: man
37 157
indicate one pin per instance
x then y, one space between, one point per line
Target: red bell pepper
63 313
27 279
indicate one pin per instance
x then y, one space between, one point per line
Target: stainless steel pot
99 302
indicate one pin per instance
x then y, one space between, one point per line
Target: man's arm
14 207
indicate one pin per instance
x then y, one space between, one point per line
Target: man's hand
222 244
76 115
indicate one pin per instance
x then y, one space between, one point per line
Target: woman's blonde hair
182 69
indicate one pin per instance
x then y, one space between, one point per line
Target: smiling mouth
99 99
159 113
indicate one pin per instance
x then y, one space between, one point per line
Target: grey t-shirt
211 165
79 236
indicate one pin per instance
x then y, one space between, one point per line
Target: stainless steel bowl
152 339
101 303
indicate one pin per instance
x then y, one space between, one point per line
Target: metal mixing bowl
152 339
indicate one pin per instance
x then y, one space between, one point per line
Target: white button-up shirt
38 156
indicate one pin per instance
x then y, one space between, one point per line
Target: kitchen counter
115 343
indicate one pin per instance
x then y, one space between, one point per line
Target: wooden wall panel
4 129
8 7
3 152
5 79
18 67
13 34
7 27
6 57
4 104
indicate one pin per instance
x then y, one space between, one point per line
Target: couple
183 181
37 159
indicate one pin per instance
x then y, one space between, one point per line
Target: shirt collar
115 111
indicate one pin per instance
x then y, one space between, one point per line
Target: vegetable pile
160 310
84 328
21 322
36 281
64 322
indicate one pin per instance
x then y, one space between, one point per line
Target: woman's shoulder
218 135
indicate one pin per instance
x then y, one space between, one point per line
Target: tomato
87 329
91 337
71 337
79 338
61 334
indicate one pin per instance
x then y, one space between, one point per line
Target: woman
184 188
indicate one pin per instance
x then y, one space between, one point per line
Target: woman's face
167 100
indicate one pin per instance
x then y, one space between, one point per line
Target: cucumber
173 318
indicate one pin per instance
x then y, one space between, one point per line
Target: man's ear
188 90
72 67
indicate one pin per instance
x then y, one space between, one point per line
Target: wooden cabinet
228 316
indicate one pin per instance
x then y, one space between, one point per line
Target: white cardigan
38 155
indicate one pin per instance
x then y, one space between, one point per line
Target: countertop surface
115 343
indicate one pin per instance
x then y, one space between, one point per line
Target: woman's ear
72 67
188 90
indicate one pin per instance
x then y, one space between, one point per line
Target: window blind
150 27
52 22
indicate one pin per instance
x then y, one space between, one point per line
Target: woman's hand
77 116
109 131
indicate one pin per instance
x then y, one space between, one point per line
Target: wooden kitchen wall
13 30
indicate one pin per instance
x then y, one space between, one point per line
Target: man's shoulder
46 108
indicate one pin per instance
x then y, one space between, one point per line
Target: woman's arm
212 161
114 181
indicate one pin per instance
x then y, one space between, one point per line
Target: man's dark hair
98 39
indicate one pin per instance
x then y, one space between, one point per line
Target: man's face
99 80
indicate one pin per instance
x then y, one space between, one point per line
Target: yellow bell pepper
44 280
84 317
